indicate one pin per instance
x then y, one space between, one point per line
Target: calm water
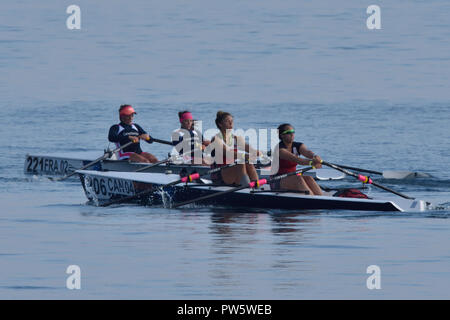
374 99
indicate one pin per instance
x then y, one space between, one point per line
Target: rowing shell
103 187
64 164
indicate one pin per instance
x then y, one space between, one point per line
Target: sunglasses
288 131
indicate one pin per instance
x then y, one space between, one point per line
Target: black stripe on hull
237 199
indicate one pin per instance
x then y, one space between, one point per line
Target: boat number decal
38 164
108 186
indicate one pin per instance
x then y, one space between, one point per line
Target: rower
227 143
288 153
188 141
125 131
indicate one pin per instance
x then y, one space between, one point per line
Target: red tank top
286 166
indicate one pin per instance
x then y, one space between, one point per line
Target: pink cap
127 110
186 116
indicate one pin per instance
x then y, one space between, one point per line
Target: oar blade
391 174
328 174
365 179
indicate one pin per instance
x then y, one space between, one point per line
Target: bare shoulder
301 146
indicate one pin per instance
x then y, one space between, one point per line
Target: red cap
185 116
126 110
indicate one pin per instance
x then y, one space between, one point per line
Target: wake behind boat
109 187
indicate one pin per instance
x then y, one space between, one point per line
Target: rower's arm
113 135
143 135
303 150
286 155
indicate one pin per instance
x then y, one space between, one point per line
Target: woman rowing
288 153
125 131
187 140
226 150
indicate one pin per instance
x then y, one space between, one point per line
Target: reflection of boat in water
104 187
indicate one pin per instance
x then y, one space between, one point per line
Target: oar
189 178
161 141
252 184
365 179
389 174
162 161
106 155
154 164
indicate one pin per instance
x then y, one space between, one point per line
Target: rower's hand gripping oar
365 179
105 156
187 179
253 184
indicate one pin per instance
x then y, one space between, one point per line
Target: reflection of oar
389 174
252 184
106 155
364 179
189 178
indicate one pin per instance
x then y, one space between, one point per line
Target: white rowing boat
106 187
